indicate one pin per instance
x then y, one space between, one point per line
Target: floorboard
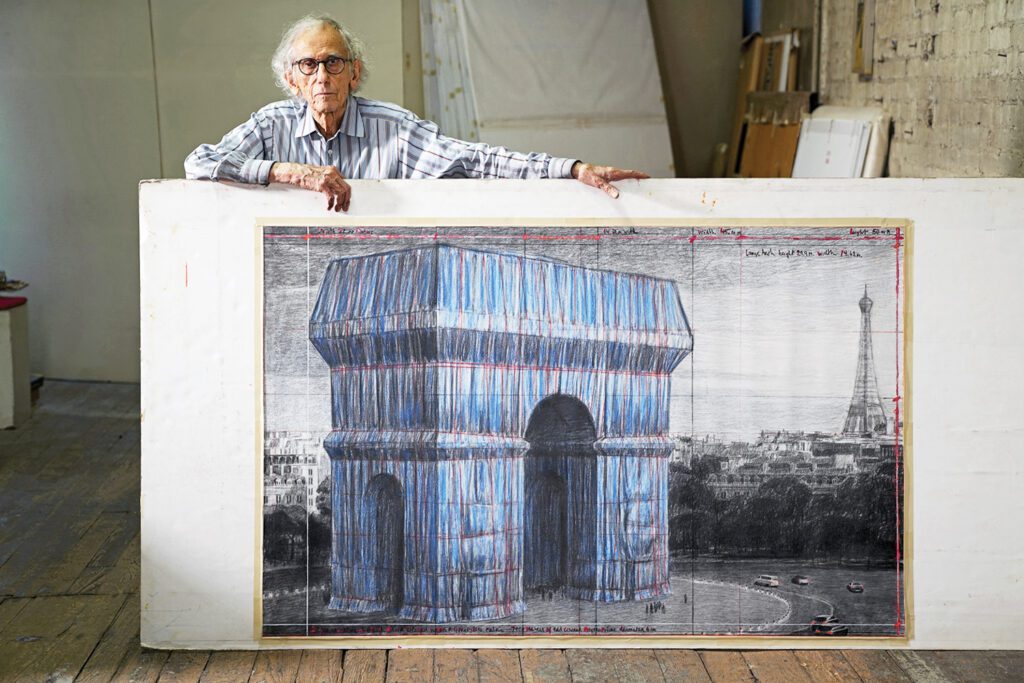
726 665
968 665
141 666
365 666
276 666
589 665
53 636
229 666
10 608
682 666
499 666
184 666
921 667
410 666
827 666
456 665
875 666
775 666
541 666
638 666
321 666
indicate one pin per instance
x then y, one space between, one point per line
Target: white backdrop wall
77 131
200 463
95 96
578 78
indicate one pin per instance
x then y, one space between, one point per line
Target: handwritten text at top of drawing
828 252
734 232
874 232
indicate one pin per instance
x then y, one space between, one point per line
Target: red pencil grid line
309 310
598 630
693 327
584 238
896 446
743 423
459 572
511 367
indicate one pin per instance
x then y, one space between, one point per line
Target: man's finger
625 174
324 189
344 193
607 187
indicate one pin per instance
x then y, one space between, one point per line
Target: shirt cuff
560 168
257 171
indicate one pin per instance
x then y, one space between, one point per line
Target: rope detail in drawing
500 424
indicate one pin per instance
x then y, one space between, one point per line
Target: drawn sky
775 331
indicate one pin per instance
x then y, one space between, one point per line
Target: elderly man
325 134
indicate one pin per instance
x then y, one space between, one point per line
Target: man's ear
291 83
357 75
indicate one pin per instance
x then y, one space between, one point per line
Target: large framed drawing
584 428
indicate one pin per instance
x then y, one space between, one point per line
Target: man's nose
321 72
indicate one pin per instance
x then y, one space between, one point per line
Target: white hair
282 59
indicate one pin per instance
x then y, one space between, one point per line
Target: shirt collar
351 121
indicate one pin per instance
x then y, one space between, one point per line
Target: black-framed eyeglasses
309 66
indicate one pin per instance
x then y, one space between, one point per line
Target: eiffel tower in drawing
866 415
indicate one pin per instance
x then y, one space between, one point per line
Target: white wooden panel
200 466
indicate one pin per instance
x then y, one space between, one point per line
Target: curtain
447 84
573 78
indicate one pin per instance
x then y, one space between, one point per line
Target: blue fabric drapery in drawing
499 423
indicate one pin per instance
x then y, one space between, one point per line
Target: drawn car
855 587
767 580
827 623
800 580
831 630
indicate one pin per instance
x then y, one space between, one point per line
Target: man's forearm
281 172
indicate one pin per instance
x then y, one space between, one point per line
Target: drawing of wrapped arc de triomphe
499 424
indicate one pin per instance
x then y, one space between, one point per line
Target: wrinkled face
326 93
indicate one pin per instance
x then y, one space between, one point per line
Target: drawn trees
284 535
783 518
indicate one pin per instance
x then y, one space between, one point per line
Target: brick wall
951 74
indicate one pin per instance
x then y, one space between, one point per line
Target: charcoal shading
603 430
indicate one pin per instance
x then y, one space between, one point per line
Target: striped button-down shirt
375 140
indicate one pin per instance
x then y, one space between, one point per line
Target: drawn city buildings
821 461
293 468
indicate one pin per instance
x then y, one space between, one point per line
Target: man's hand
599 176
325 179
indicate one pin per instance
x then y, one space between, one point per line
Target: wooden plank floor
69 582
